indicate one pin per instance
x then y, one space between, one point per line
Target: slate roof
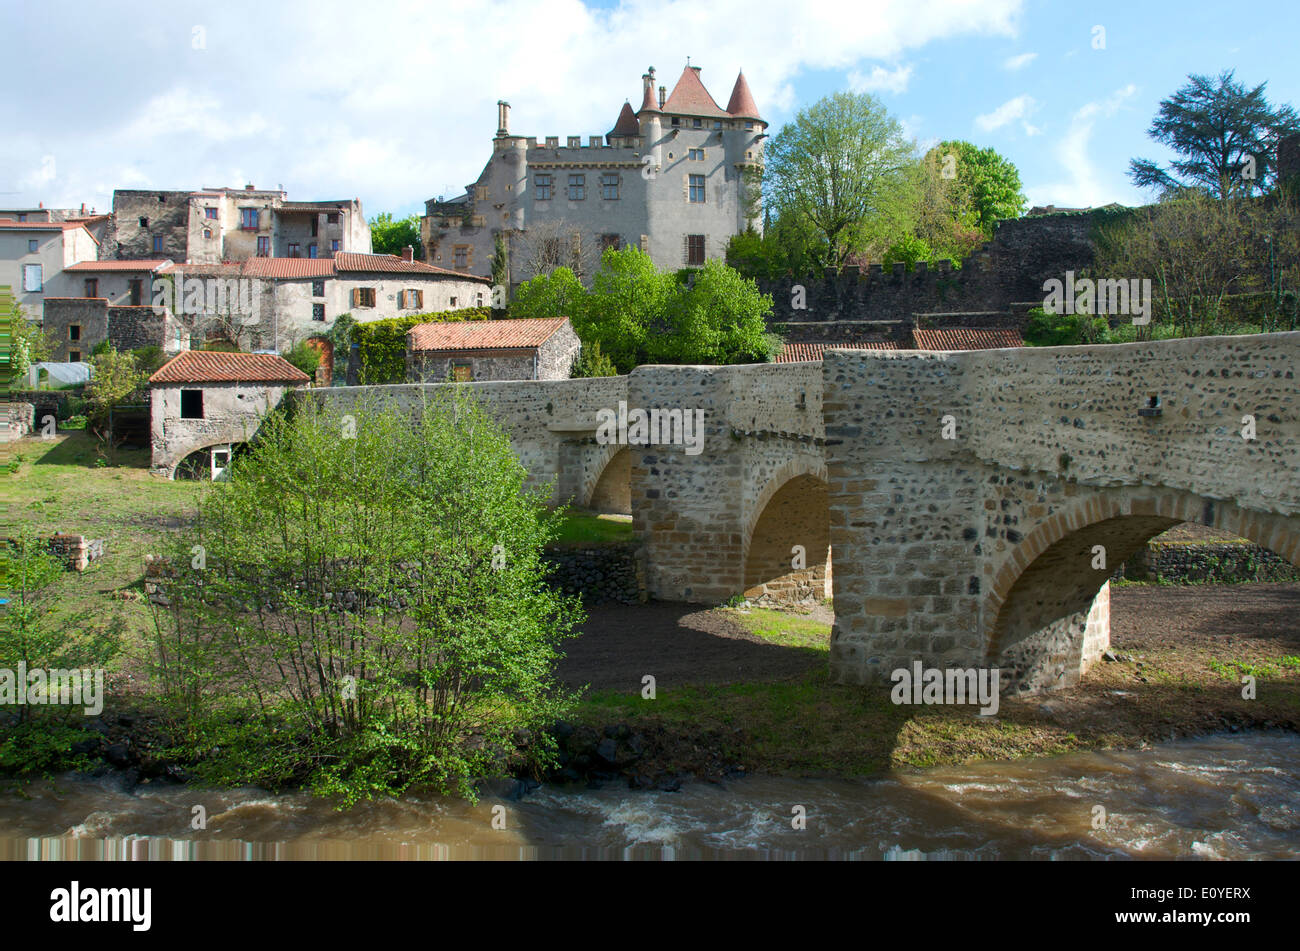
204 366
524 334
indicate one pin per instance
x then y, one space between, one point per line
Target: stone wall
19 420
601 574
879 304
1215 563
982 548
232 413
551 423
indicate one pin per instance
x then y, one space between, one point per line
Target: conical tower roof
626 124
690 98
742 103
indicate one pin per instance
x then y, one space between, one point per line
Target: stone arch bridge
975 503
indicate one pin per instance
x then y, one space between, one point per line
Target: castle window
207 232
210 213
312 252
264 247
144 222
248 219
462 373
697 123
317 311
74 356
157 242
749 125
92 287
32 245
334 244
315 225
676 121
461 256
694 250
317 288
609 186
697 189
363 297
294 251
577 187
412 300
542 187
74 332
32 278
696 155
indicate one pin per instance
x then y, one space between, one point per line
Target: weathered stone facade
552 360
232 413
78 325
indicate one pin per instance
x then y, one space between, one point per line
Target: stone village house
542 348
206 404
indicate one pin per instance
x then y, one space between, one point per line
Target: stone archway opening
1052 623
612 494
208 463
788 558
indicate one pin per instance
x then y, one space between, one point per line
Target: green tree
500 270
719 318
372 611
628 297
987 185
1226 135
591 363
29 344
116 379
557 294
390 236
838 168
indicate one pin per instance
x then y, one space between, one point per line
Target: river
1221 797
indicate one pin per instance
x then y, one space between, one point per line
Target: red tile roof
961 338
689 97
288 267
648 101
204 366
523 334
742 103
147 265
40 225
626 124
392 264
806 352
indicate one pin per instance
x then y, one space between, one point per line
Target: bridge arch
609 484
792 509
1047 613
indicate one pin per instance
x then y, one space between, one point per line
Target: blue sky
395 102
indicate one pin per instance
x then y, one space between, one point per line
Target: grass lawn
588 528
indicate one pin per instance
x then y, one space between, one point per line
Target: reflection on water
1221 797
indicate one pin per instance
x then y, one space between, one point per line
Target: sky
395 102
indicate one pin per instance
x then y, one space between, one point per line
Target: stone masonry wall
980 548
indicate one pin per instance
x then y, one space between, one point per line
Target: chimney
408 253
663 94
83 208
503 117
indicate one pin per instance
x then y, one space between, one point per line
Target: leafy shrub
404 565
305 357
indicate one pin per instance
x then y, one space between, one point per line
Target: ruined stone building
668 178
231 224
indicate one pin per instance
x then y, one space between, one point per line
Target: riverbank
1174 670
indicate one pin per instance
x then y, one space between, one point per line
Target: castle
671 178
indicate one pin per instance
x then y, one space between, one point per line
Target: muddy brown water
1223 797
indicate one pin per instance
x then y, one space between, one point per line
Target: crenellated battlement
1003 272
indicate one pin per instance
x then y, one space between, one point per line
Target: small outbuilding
470 350
205 404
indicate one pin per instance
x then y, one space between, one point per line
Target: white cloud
1019 108
881 79
391 102
1084 187
1014 63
